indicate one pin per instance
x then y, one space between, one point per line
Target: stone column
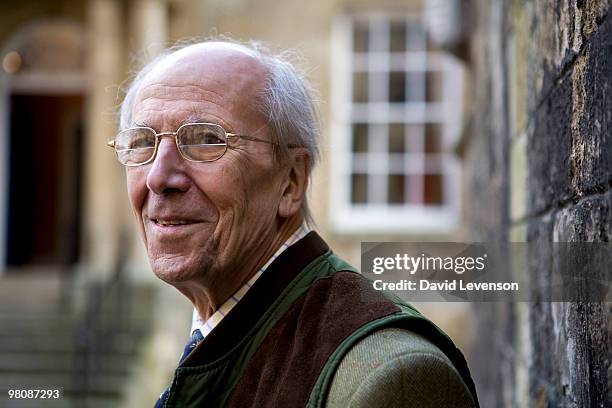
148 27
104 181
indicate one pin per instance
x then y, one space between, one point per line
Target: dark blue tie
195 339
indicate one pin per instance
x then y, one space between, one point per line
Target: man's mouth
172 222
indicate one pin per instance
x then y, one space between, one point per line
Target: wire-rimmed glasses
196 142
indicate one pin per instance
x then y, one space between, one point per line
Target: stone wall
539 157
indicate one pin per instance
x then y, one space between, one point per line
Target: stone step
43 291
108 363
118 343
25 317
42 344
117 327
35 289
36 330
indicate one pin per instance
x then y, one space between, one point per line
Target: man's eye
140 142
200 138
210 138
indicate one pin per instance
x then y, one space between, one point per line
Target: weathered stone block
571 354
548 151
560 29
591 157
570 148
589 220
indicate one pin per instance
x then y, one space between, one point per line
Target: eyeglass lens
197 142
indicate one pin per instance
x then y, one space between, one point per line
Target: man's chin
174 270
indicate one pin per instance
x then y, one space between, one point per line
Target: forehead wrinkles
164 94
164 90
166 111
168 117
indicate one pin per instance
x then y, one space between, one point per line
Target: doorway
45 176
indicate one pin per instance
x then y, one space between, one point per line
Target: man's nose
167 172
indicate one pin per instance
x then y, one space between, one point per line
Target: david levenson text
423 284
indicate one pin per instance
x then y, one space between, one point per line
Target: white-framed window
397 108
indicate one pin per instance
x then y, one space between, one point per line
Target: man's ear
295 184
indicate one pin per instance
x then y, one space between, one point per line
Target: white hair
287 100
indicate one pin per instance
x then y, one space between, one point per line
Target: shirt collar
206 326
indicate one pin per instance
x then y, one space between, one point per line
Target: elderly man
219 140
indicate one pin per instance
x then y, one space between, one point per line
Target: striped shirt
207 326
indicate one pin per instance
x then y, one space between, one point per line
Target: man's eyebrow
141 124
197 119
208 119
187 120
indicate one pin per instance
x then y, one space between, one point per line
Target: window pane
396 163
397 139
378 90
397 86
434 86
414 194
396 189
416 37
360 87
414 143
416 86
360 37
359 190
377 137
433 189
433 163
360 138
433 138
398 36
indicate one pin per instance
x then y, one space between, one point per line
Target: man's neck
285 231
207 308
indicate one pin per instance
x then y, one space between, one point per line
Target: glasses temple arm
256 139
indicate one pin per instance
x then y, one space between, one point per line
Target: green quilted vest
281 345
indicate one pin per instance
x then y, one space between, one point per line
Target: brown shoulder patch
285 367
